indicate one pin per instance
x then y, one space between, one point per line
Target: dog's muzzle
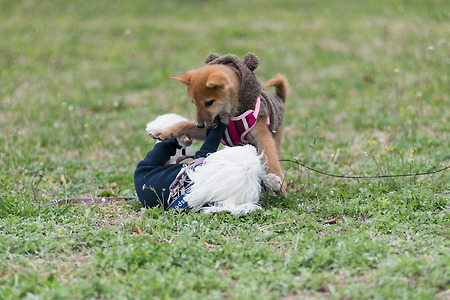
201 125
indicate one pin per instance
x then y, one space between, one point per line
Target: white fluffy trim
163 121
233 209
229 179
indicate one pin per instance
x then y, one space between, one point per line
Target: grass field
369 80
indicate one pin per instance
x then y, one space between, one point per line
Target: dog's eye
209 103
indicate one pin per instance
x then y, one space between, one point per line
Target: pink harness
239 126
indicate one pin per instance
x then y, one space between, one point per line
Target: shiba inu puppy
227 91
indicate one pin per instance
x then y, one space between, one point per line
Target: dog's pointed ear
217 80
185 78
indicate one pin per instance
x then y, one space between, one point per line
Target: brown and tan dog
227 88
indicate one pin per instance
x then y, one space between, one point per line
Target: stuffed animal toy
226 180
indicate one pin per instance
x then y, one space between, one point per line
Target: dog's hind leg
278 137
266 143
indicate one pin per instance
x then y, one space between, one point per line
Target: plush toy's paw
273 182
162 122
160 129
184 141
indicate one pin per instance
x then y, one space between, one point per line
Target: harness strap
239 126
183 157
257 106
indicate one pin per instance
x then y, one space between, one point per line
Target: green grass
369 95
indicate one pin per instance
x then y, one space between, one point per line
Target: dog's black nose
201 125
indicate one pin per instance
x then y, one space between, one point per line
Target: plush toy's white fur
167 120
229 179
163 122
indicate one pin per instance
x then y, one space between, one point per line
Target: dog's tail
281 85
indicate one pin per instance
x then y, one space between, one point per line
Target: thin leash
90 200
110 199
366 176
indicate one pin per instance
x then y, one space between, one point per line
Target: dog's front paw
167 134
162 134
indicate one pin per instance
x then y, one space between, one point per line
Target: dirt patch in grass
307 294
115 213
